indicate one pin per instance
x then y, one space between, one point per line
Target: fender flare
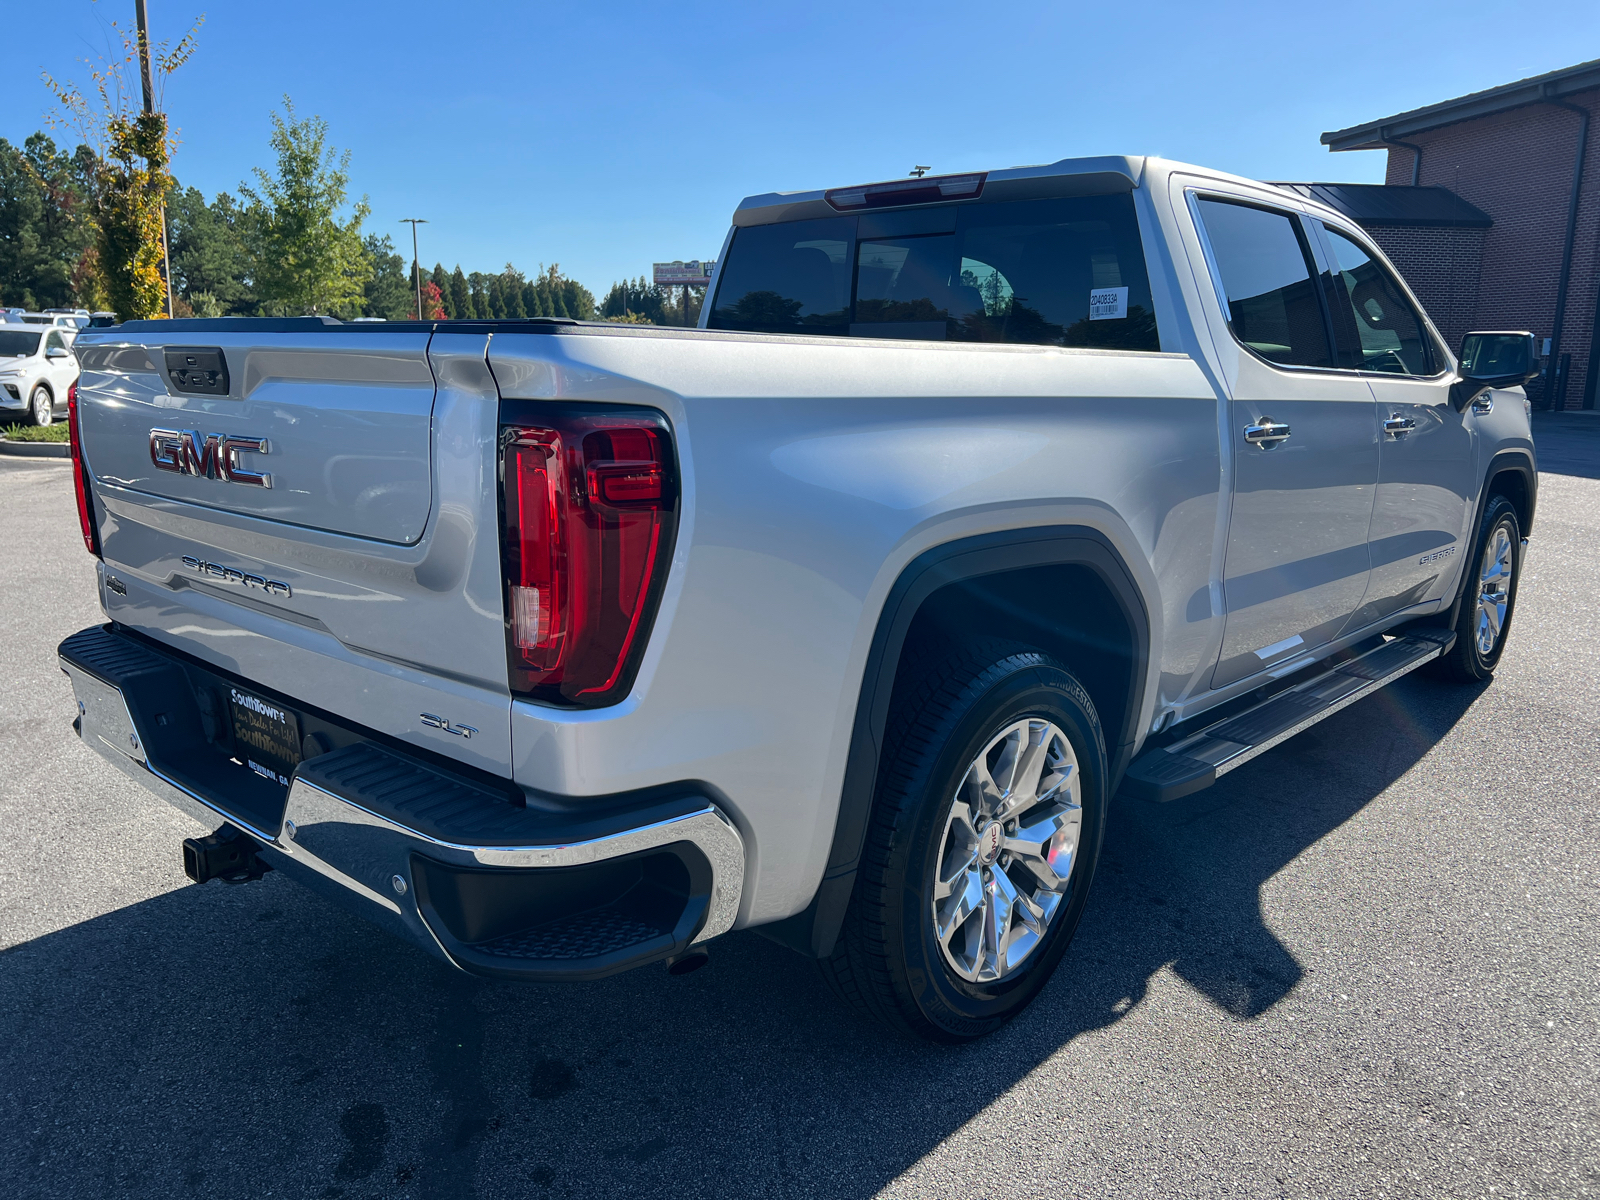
1521 461
815 929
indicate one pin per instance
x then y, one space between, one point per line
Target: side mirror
1493 360
57 352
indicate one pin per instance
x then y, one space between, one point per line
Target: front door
1427 461
1305 452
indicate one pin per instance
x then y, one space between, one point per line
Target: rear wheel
983 842
42 406
1489 598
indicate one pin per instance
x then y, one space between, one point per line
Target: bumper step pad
1198 761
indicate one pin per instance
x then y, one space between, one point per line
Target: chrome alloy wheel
43 408
1494 589
1010 843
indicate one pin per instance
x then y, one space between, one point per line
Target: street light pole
416 263
142 20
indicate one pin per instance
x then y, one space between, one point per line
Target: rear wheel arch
1008 577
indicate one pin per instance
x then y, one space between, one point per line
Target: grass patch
37 433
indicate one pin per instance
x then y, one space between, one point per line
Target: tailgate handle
197 370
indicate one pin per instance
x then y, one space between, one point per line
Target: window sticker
1108 304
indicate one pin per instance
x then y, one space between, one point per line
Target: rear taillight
589 503
80 476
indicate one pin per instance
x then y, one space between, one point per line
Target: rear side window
790 278
1374 323
1267 277
1063 272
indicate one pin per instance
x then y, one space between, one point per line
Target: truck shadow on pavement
233 1041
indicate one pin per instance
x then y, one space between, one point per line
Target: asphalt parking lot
1364 965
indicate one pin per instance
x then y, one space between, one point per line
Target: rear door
1427 471
1304 449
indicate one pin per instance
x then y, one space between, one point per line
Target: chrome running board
1198 761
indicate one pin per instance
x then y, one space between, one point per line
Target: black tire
41 405
1468 661
888 961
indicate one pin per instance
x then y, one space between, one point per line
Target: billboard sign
682 274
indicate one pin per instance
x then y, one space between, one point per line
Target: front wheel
984 837
1489 598
42 406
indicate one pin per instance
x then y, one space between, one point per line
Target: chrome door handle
1266 433
1398 426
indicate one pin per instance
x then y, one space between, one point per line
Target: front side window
54 341
1266 274
1374 323
1063 272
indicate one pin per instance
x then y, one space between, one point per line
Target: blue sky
608 136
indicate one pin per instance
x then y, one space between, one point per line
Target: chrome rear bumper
456 867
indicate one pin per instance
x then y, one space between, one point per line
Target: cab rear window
1061 272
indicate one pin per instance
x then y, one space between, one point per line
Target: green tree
128 185
460 302
511 287
390 292
305 259
635 298
478 282
442 282
208 251
533 302
129 215
46 231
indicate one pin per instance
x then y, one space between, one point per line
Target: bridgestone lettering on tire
985 831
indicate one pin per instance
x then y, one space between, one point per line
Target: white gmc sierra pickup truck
560 648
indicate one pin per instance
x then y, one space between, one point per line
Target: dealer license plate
266 736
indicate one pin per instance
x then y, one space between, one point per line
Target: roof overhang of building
1381 204
1556 85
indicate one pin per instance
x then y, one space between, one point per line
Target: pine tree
391 291
533 299
580 301
478 282
460 297
511 285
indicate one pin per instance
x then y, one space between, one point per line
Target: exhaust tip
689 960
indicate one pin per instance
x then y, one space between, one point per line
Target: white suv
37 367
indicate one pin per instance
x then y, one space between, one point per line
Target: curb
36 449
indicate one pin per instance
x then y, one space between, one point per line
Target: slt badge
215 456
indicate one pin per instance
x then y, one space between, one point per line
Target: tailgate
345 418
346 555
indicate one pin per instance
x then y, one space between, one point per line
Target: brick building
1491 209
